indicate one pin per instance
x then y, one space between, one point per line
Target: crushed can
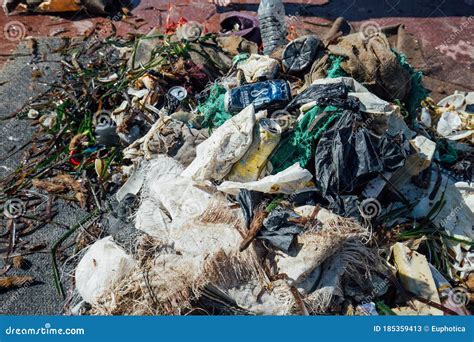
267 134
271 94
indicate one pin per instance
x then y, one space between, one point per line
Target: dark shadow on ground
114 13
357 10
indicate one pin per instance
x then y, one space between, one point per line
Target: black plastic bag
349 155
278 231
321 93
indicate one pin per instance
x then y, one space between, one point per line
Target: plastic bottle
271 14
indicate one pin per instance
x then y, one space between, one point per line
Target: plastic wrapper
266 137
258 67
263 95
286 182
248 200
104 264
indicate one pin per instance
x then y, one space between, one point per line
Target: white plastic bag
100 268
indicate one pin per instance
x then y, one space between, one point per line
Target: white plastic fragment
100 268
257 66
457 100
415 275
33 114
448 123
467 193
138 93
226 146
250 297
168 199
111 78
367 309
134 182
287 181
48 120
425 117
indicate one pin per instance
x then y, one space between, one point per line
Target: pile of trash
308 176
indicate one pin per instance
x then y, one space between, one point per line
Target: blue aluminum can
271 94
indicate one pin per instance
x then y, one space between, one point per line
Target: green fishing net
417 92
213 109
335 69
298 146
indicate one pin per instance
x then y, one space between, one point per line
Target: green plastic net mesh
418 92
298 146
213 109
335 69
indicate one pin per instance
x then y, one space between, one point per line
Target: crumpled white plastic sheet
169 199
226 146
257 66
104 264
455 216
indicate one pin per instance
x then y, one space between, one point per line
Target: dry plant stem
90 219
255 226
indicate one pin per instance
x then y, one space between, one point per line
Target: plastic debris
103 265
278 229
266 137
271 14
286 182
300 53
258 67
313 177
229 143
262 95
415 275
